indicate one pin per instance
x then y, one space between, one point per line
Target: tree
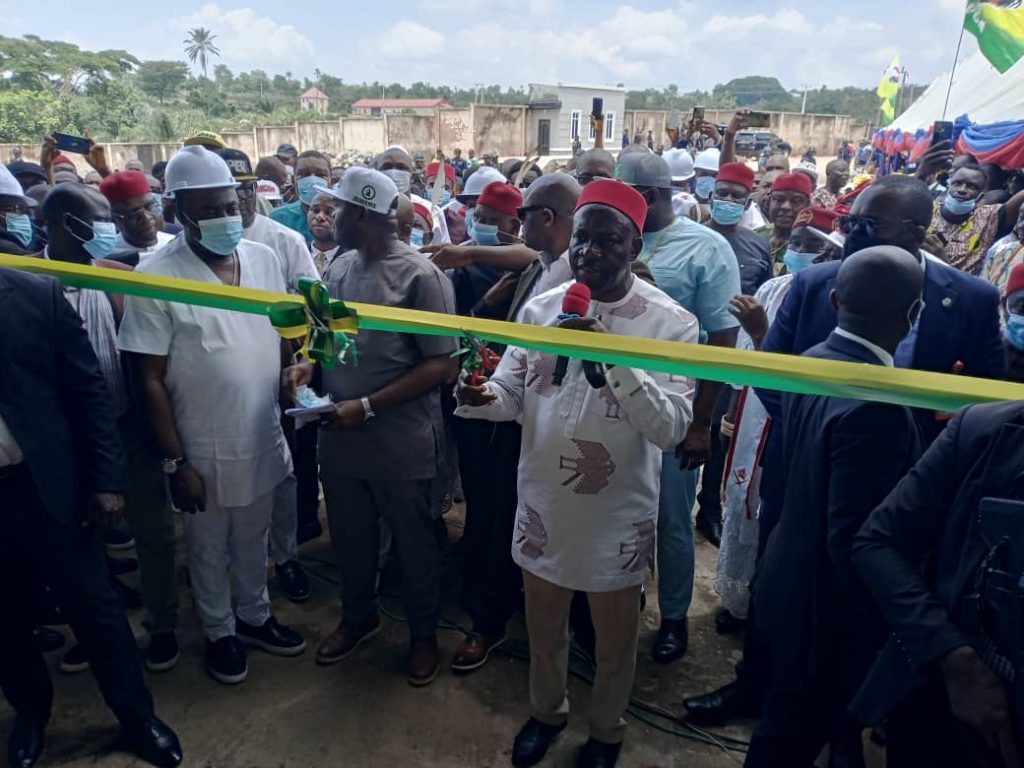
199 46
33 64
161 79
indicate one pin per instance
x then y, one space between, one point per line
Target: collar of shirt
883 356
547 260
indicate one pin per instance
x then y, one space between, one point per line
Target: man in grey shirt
380 451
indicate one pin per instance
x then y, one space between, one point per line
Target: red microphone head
576 300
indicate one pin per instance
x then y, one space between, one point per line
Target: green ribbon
323 345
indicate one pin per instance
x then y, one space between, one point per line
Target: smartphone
597 107
698 113
68 143
942 130
757 120
673 119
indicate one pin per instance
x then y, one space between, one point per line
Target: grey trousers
150 519
355 508
284 522
616 617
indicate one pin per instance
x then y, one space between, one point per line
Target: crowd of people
869 553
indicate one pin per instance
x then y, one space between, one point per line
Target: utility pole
803 105
478 87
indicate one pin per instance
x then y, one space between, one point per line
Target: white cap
481 177
196 167
268 189
367 188
809 168
707 160
10 186
680 164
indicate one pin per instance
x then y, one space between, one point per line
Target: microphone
575 303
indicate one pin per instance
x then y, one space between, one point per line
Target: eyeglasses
586 178
245 190
137 213
850 222
521 212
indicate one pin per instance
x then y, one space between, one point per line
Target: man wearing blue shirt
697 268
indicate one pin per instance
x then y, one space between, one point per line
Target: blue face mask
309 187
443 199
704 187
726 212
101 244
416 238
797 261
222 235
959 207
1015 331
486 234
19 225
158 203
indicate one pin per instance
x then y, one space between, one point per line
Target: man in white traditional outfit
589 470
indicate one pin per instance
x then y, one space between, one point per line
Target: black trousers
33 548
489 463
710 496
307 475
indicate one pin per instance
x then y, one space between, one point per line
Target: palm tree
199 45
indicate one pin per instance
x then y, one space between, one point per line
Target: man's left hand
348 414
111 505
695 448
97 158
583 324
447 256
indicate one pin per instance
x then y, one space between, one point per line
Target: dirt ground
290 713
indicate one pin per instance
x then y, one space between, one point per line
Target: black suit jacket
917 551
841 459
53 397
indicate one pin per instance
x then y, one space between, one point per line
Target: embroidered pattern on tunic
591 470
532 535
641 548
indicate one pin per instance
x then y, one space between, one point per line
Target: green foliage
199 47
161 79
32 63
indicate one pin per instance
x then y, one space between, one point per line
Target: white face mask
402 179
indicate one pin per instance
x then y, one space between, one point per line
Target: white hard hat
481 177
707 160
680 164
367 188
9 186
196 167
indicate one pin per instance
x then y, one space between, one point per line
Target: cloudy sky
692 43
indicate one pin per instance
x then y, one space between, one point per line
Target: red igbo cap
119 186
449 171
618 195
1016 279
738 173
798 182
501 197
819 218
423 212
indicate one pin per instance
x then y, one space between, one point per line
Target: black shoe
728 624
25 744
153 742
271 637
162 653
225 660
670 644
721 705
598 754
532 742
48 640
74 660
117 541
710 526
119 566
309 531
130 598
293 581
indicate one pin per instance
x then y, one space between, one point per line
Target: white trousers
284 522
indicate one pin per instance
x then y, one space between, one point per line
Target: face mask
402 179
705 186
222 235
443 199
726 212
958 207
1015 331
19 225
486 234
101 244
797 261
416 238
309 187
158 203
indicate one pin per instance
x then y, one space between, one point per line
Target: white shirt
552 274
884 357
288 246
10 451
223 373
162 239
590 465
322 258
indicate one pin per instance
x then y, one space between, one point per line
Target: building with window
314 100
561 113
378 107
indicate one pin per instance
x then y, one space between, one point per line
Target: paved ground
291 713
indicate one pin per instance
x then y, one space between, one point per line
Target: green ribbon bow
324 345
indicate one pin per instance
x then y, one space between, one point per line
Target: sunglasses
521 212
849 223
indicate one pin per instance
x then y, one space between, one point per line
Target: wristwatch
170 466
367 410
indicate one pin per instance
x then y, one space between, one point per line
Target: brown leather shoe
345 640
424 660
474 652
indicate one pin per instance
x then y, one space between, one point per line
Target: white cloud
247 40
410 40
785 20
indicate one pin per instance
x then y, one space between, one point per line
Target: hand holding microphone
575 308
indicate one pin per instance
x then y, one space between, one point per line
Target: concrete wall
641 121
457 130
417 133
325 136
500 129
363 134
